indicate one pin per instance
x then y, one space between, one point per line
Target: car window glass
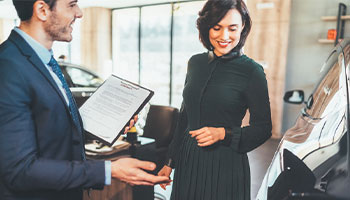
324 121
327 88
82 78
329 104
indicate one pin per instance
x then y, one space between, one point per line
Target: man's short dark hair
213 12
24 8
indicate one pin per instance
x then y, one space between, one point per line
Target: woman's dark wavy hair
24 8
212 13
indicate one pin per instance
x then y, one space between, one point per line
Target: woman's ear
41 10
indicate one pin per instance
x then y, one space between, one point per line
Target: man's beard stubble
57 31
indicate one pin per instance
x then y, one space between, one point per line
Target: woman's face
225 35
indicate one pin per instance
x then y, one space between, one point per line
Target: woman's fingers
205 139
198 131
205 144
208 135
201 136
195 133
163 186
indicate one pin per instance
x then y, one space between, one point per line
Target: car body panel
318 141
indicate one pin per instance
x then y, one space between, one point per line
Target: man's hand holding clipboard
110 108
111 111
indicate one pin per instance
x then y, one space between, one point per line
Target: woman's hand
207 136
165 171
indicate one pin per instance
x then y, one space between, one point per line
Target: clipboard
111 107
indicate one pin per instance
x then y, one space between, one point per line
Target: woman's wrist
222 133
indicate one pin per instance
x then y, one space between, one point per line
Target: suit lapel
34 59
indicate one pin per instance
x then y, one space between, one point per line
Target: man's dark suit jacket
40 147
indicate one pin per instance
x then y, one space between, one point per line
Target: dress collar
226 57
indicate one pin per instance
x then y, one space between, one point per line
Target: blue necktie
72 106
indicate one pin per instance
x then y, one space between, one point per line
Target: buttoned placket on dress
211 61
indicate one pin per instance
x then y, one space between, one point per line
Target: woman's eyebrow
228 25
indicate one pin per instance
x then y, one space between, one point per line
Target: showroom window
125 43
153 49
6 26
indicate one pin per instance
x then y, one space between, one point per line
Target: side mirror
294 97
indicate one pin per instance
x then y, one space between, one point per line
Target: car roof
67 64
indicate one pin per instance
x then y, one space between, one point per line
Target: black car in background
312 160
82 82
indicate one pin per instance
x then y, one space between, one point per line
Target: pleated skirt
210 173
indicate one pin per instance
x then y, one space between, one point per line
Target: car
81 81
312 160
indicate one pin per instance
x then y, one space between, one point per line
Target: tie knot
52 62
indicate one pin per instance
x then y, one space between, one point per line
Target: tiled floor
259 160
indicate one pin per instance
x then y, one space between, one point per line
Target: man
41 135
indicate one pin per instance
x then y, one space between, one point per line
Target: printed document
110 108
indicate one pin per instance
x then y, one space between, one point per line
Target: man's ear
41 10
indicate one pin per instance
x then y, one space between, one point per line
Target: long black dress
217 93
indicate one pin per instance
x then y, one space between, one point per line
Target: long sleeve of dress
248 138
178 136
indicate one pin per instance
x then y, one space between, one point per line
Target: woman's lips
224 44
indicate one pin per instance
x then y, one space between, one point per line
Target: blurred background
150 41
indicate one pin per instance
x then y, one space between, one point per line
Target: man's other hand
131 124
131 171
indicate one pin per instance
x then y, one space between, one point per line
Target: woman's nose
225 34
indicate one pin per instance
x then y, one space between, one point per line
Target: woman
209 148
